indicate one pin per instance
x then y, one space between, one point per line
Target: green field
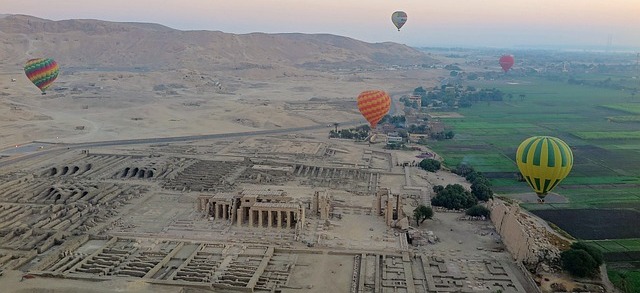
608 134
602 128
624 119
632 108
621 245
627 280
606 154
622 274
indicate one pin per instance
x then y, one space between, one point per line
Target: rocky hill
98 44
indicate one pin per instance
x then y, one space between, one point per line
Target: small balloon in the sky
506 61
399 18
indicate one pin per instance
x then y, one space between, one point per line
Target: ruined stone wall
523 236
68 247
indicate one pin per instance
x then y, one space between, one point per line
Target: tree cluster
477 211
452 67
581 260
480 185
469 97
358 133
442 135
408 103
606 83
421 213
418 128
396 146
453 196
398 120
430 165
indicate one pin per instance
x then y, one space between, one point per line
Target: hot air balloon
42 72
544 161
506 61
399 18
374 105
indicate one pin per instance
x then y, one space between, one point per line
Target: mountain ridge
89 42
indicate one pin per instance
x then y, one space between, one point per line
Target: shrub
478 210
579 263
430 165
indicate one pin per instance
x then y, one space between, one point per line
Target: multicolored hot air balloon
374 105
506 61
42 72
544 161
399 18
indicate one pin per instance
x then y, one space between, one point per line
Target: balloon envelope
399 18
374 105
506 61
544 161
42 72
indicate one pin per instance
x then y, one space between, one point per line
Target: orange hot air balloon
374 105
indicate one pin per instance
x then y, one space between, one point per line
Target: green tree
449 134
421 213
430 165
595 253
453 197
578 262
463 169
481 191
478 210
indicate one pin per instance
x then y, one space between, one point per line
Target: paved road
60 148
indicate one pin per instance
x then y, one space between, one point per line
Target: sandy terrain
93 104
129 107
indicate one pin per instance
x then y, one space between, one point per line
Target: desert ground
95 106
288 212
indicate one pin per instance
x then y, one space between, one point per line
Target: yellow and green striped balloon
544 161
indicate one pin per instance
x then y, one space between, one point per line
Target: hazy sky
494 23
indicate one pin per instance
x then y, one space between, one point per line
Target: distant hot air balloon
544 161
374 105
42 72
399 18
506 61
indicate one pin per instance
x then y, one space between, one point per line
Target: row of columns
221 211
269 215
271 218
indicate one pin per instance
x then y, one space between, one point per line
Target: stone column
260 218
315 204
289 219
251 217
239 216
270 219
215 210
279 214
389 211
378 205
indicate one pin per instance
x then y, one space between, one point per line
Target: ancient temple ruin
254 208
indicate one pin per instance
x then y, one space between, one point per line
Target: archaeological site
256 214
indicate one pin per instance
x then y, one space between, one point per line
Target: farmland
622 257
600 199
606 154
